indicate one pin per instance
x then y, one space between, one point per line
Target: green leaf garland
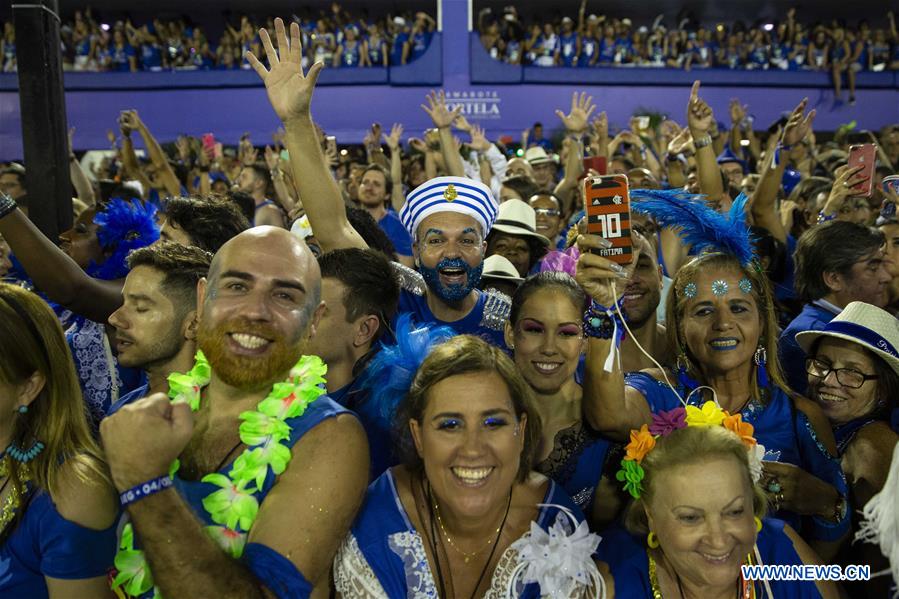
234 506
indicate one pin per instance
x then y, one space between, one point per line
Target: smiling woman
455 519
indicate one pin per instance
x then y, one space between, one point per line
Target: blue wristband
146 489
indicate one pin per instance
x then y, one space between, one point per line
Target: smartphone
608 208
208 140
331 143
597 163
864 155
643 122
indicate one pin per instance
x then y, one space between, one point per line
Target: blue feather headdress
700 226
122 226
390 373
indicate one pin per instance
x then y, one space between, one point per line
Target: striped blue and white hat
864 324
449 194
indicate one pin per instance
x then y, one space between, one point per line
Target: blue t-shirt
814 317
351 55
46 544
121 57
629 563
391 224
396 49
376 51
568 49
589 50
150 56
785 432
378 427
420 43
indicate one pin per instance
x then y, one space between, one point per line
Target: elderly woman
59 506
853 375
546 335
699 517
456 518
720 320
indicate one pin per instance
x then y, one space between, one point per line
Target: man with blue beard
448 218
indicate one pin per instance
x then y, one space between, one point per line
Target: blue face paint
452 293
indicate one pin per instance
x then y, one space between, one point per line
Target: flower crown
664 423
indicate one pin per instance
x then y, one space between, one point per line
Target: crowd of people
605 41
413 372
336 37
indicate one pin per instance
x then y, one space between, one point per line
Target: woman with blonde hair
59 509
702 514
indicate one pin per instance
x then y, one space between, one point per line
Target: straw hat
499 267
869 326
537 155
518 218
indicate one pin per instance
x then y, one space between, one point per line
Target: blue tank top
351 55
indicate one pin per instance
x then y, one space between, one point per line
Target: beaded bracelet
146 489
599 321
823 218
701 142
7 204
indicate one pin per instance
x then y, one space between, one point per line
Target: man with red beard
257 310
641 299
448 218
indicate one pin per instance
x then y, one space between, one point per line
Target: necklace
14 499
234 506
490 540
745 588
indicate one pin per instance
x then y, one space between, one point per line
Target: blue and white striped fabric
449 194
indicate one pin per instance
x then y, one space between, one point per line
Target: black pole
42 104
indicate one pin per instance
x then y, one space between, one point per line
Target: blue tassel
761 373
686 381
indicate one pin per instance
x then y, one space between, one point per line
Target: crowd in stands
606 41
414 368
336 37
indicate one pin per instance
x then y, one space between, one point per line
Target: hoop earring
652 541
758 524
761 373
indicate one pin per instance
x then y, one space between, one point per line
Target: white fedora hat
499 267
537 155
875 329
518 218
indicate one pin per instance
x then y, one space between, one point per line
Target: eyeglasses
847 377
546 212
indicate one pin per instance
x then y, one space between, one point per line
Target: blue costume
121 57
589 51
814 317
46 544
606 51
376 51
384 549
787 435
352 54
279 574
629 563
396 49
568 49
576 463
419 44
486 320
150 56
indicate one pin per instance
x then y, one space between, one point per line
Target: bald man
257 309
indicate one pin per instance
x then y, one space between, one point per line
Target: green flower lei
233 507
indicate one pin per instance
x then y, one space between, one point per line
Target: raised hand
479 141
289 91
737 111
393 140
597 275
846 178
439 112
582 107
680 142
461 123
601 125
418 144
272 158
700 118
798 125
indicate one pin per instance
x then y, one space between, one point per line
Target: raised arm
282 191
609 406
157 157
129 158
56 274
764 212
290 94
80 182
443 119
700 120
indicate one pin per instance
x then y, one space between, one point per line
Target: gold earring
652 540
758 524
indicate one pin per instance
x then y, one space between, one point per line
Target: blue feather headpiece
700 226
390 373
122 226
